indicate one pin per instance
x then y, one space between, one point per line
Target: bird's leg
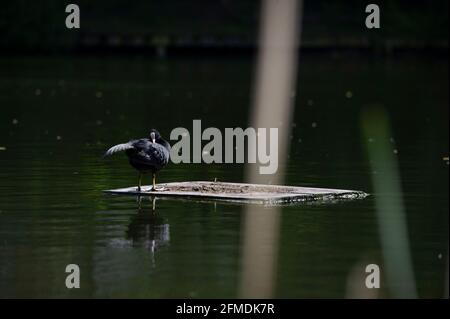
140 182
154 184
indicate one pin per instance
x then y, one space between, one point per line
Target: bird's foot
157 189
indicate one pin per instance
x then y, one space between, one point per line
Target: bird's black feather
148 156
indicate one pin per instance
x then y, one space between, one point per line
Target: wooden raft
241 192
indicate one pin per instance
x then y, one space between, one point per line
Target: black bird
145 155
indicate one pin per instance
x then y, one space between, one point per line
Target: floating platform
242 193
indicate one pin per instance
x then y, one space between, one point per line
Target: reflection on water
55 125
147 229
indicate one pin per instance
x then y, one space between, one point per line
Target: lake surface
59 114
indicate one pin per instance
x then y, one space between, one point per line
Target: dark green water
58 116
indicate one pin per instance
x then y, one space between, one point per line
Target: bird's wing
159 154
153 154
119 148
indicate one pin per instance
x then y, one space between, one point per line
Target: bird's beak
152 136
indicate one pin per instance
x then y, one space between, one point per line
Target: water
59 114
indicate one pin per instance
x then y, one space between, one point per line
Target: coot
146 155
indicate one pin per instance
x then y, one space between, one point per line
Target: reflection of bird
148 229
145 155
